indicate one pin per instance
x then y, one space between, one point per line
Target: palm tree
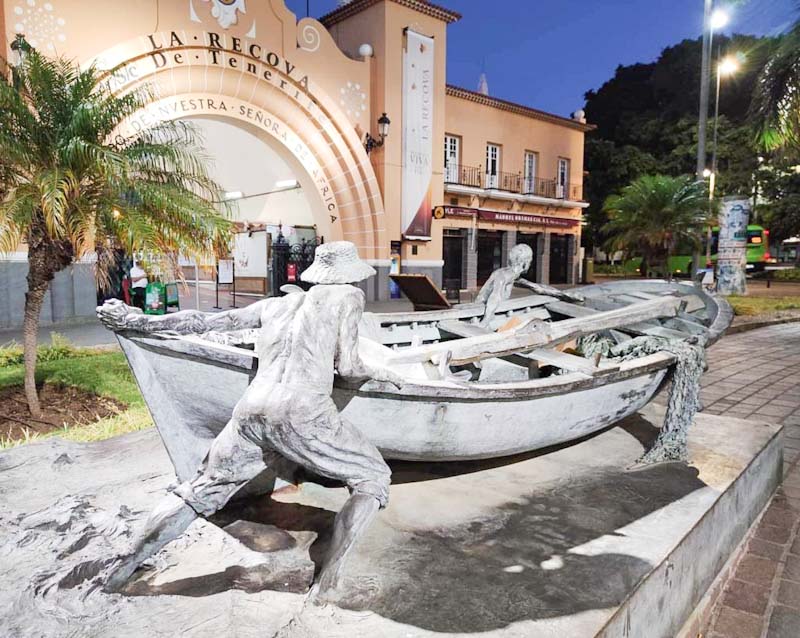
653 214
775 107
70 185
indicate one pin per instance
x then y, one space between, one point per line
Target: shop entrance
532 240
490 253
559 246
453 255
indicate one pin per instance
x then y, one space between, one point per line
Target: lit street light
726 66
713 20
719 19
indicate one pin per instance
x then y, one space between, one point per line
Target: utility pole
705 67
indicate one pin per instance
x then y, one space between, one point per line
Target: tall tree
70 185
776 99
646 117
655 213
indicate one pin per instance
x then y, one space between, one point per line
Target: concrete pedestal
563 543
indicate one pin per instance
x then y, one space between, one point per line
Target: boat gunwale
432 390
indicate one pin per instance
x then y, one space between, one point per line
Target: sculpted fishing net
684 396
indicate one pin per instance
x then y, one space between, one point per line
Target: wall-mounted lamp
370 143
21 48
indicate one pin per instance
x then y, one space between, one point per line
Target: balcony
463 175
474 177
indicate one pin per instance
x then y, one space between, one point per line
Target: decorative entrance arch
209 74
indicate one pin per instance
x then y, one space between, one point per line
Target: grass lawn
101 372
749 306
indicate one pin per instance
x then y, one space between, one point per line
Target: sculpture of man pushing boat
287 411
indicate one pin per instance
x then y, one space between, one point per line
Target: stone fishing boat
471 392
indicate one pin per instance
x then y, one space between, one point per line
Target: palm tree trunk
30 327
45 258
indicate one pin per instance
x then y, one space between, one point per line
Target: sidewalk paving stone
762 596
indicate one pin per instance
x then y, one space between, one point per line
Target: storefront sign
497 216
417 135
732 252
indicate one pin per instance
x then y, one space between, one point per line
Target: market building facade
456 179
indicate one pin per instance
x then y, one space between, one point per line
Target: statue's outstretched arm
348 360
117 316
542 289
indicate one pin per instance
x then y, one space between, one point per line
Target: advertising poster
250 253
225 271
734 215
417 136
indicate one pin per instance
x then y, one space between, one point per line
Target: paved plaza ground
756 375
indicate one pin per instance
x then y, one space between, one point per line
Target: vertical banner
732 252
417 135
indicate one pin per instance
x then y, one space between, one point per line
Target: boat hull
191 391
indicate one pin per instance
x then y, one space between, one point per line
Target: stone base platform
567 543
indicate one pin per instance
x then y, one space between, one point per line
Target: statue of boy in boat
287 411
501 282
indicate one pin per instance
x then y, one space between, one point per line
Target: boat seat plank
683 325
462 328
570 362
570 309
642 328
544 356
405 333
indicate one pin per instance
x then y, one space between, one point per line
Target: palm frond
65 170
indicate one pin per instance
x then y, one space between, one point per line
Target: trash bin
155 299
173 298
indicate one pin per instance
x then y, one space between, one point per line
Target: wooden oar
534 333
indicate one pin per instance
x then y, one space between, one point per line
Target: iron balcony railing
463 175
511 182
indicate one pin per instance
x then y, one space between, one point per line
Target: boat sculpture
470 392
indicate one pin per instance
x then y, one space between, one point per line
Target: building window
562 177
492 165
531 160
452 153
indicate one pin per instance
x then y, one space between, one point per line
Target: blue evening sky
548 53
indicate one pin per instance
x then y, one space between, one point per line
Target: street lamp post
713 20
704 65
726 66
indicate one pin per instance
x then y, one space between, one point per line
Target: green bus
681 264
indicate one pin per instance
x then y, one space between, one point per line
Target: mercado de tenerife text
342 128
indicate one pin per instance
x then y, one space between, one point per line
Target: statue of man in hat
502 281
287 413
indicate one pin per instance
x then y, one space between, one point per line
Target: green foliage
655 213
59 348
787 274
71 182
753 306
610 269
779 186
776 99
104 373
646 117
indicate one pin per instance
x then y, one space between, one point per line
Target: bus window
754 237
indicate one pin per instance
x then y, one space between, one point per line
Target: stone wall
72 294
